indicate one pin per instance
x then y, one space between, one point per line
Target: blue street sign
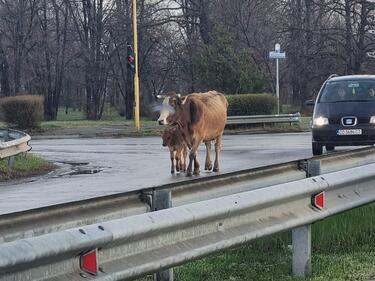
277 55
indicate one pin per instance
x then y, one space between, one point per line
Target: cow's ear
178 100
173 102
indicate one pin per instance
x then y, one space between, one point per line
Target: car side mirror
310 103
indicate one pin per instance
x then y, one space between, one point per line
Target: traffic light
130 57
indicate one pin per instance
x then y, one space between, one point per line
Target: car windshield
348 91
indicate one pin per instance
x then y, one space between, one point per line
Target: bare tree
89 17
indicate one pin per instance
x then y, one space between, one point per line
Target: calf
177 148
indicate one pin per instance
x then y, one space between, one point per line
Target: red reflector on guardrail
89 262
318 200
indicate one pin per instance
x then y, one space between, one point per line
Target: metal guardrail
63 216
12 143
264 119
134 246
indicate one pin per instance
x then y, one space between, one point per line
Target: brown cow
200 117
172 138
167 109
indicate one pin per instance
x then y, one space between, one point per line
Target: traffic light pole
136 76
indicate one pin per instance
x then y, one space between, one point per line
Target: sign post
277 55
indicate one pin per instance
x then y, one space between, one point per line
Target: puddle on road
74 163
75 168
84 172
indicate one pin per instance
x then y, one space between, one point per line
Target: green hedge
251 104
24 112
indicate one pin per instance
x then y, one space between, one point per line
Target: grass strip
24 166
343 250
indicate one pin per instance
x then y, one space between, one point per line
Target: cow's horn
179 95
160 96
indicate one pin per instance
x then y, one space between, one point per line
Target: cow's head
170 108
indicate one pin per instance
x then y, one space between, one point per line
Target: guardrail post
313 168
6 135
10 161
301 236
162 199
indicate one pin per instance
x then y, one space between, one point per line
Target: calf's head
167 138
171 138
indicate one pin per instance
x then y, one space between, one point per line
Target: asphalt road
96 167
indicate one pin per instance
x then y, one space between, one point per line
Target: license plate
347 132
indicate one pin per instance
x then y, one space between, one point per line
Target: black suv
344 112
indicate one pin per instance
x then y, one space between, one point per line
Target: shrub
24 112
220 66
251 104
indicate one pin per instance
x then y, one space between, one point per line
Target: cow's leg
190 166
193 158
178 168
178 159
185 158
217 154
171 153
196 164
208 163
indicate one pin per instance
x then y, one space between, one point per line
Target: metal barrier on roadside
45 220
130 247
209 215
73 214
264 119
12 143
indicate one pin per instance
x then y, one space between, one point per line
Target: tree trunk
360 55
348 37
129 101
4 74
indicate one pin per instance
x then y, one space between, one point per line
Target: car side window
371 93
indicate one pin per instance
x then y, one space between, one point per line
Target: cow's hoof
196 172
172 172
189 174
208 167
216 170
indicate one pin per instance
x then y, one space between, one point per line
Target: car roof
351 77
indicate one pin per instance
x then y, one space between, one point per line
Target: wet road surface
96 167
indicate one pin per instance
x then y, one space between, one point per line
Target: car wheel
330 147
317 149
